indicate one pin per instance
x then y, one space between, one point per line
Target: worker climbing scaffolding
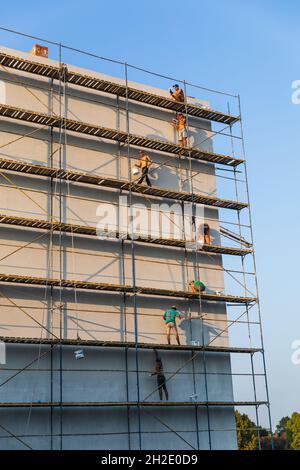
161 379
204 235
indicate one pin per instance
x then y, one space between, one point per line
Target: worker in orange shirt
204 234
144 164
180 125
177 94
207 237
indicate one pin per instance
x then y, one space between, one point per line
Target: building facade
91 260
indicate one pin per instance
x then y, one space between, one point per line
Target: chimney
39 50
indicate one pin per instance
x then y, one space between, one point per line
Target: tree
247 438
293 427
281 426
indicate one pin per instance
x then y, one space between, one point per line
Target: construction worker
204 234
207 239
180 125
170 322
161 379
177 94
144 164
197 286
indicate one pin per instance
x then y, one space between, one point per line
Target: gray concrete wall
103 375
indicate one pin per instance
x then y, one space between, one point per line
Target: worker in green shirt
170 322
197 286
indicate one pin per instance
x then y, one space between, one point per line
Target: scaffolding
59 77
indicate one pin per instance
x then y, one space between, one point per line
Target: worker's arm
181 315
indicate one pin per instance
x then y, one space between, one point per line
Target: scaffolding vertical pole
123 276
51 264
196 270
255 276
62 114
244 282
193 222
132 235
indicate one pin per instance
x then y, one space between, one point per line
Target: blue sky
245 47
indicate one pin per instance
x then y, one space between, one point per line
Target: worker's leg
180 140
147 178
207 239
168 328
166 391
184 138
142 177
160 391
176 335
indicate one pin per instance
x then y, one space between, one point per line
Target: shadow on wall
200 139
164 177
196 330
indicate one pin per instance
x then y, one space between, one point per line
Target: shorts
182 134
171 326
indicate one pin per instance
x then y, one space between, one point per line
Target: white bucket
135 171
193 397
79 354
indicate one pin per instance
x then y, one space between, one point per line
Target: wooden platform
39 224
118 89
94 130
103 287
103 181
151 404
125 344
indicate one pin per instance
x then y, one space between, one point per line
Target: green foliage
293 431
281 426
286 436
246 434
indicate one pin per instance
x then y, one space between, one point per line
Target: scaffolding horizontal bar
74 229
104 181
104 287
94 130
168 404
106 86
126 344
